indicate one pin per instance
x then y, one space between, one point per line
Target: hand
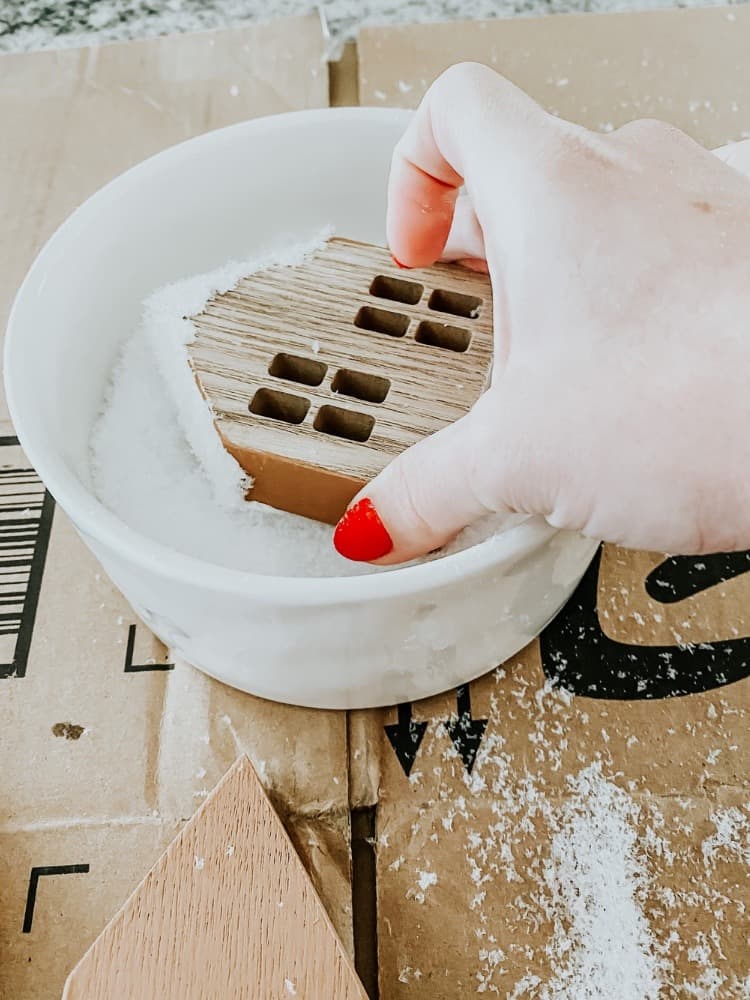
620 266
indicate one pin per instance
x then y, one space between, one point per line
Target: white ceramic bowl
333 642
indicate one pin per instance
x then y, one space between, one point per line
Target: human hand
620 267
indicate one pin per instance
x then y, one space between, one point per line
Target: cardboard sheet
475 888
108 745
689 67
505 810
479 819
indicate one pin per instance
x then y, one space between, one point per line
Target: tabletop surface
35 24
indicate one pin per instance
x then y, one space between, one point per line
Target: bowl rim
102 526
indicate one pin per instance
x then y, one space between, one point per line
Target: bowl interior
226 195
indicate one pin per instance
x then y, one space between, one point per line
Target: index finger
470 122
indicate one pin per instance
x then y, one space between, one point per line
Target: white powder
602 945
168 330
144 471
158 462
732 837
426 879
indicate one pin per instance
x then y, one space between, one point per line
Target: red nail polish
397 262
360 534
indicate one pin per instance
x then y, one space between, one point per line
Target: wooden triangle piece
228 911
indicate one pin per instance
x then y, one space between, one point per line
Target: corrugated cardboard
107 745
103 764
683 763
686 67
463 840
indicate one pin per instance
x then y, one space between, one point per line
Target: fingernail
397 262
360 535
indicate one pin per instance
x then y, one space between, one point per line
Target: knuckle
652 131
468 76
642 126
479 92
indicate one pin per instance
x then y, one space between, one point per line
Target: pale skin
620 265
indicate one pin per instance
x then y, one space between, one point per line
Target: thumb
426 495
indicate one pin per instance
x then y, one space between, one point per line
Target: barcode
26 510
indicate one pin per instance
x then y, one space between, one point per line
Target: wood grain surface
319 374
227 911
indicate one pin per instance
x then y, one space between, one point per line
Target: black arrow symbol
406 736
465 731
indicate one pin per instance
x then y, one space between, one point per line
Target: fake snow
407 975
602 945
732 836
157 430
158 462
425 880
593 885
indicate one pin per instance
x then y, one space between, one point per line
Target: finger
737 155
471 122
427 494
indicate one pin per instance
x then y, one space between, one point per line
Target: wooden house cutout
319 374
227 911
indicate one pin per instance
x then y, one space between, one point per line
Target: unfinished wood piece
319 374
227 911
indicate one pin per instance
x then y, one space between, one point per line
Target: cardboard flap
688 67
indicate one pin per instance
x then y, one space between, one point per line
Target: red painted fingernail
360 534
397 262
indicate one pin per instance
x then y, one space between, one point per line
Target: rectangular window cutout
281 406
359 385
448 338
344 423
455 303
294 369
382 321
396 289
